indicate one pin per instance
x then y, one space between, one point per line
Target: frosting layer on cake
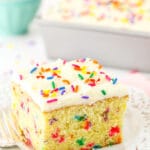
121 14
62 84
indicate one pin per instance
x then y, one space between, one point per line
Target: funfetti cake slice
71 105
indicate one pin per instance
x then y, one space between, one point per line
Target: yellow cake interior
71 128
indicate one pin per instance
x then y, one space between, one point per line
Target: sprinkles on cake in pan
126 14
33 70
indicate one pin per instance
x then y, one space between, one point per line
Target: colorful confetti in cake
71 105
126 14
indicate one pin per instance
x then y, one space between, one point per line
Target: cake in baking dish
126 14
71 105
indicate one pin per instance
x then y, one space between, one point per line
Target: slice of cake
72 105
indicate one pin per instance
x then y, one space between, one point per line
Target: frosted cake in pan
127 14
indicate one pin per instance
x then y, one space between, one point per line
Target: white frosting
33 86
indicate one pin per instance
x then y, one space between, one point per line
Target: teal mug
16 15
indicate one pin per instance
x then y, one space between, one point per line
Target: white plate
132 129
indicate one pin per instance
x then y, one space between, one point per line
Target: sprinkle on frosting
72 88
103 92
66 81
87 125
33 70
107 77
50 77
91 75
80 77
85 97
53 85
64 62
45 93
82 60
95 61
55 68
101 72
51 100
63 92
76 67
91 144
76 88
21 77
61 88
114 80
40 77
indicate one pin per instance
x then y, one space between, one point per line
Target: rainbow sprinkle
66 81
114 81
85 97
111 143
61 88
107 78
72 88
97 146
64 61
82 60
52 121
80 118
63 92
103 92
101 72
80 141
51 101
114 130
55 68
33 70
21 77
45 93
91 75
76 67
80 77
40 77
76 88
50 77
53 85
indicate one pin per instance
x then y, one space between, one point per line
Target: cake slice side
74 127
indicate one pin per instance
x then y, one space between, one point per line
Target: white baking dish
113 47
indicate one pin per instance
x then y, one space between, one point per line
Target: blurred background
116 32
